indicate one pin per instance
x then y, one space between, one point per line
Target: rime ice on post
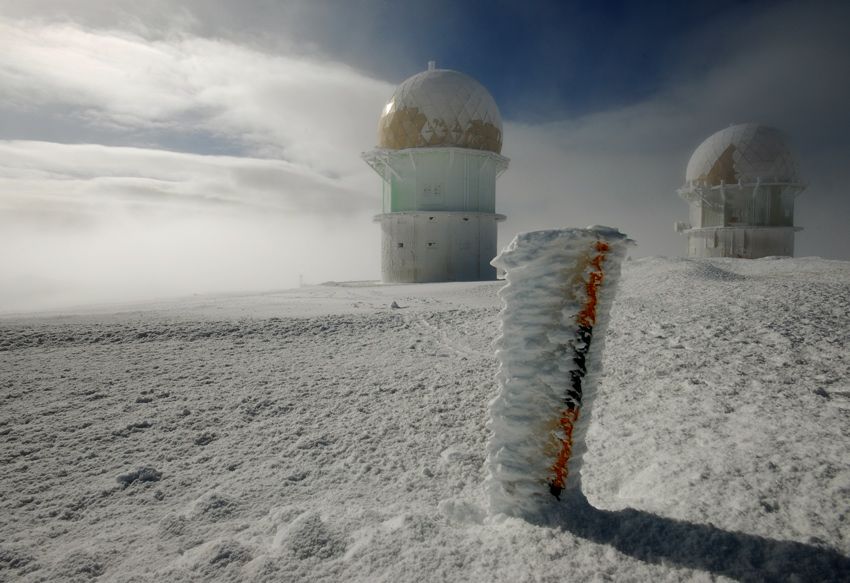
561 285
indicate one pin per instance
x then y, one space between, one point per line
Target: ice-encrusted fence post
561 285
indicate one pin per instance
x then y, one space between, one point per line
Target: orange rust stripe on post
586 317
566 423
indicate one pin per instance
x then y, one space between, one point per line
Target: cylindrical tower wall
437 246
442 180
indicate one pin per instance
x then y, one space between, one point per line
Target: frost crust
561 284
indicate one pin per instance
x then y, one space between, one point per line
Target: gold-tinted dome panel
744 153
441 108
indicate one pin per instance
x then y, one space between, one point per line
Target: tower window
400 245
432 194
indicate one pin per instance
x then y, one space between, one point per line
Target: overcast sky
164 148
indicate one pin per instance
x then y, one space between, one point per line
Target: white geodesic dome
441 108
744 153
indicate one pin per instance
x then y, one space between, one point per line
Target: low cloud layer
84 223
93 178
138 162
130 218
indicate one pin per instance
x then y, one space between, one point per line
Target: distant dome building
439 154
741 184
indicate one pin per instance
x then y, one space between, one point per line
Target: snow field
756 393
320 435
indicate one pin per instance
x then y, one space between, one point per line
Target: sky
161 149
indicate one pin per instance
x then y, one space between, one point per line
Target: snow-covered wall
561 284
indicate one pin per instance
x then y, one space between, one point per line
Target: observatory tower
439 144
741 184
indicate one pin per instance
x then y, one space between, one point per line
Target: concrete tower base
419 247
743 242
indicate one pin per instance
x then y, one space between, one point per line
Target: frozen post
561 285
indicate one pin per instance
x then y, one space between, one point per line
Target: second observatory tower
741 184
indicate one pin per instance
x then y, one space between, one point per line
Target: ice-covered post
561 285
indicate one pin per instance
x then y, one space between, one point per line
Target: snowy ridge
561 285
319 436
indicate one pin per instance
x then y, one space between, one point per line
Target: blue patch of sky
541 60
545 60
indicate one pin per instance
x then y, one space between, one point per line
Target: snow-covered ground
321 435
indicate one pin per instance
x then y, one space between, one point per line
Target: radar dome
441 108
744 153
